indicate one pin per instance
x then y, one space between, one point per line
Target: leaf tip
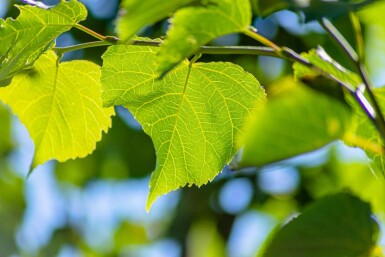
151 198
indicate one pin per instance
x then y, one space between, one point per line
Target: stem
249 50
339 39
251 32
62 50
91 32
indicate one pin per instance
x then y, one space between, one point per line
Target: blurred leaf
138 13
295 120
312 9
336 175
192 27
123 153
364 134
23 40
129 234
6 144
335 226
266 7
193 115
11 210
204 240
372 18
61 106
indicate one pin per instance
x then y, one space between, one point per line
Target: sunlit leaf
61 107
320 59
335 226
192 27
23 40
193 116
138 13
295 120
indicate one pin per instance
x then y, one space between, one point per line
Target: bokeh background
96 206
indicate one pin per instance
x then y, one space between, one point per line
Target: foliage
200 115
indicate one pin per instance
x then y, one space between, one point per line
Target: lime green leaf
61 107
295 120
193 117
335 226
363 134
138 13
195 26
320 59
23 40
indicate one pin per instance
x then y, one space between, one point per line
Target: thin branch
339 39
91 32
241 50
62 50
252 32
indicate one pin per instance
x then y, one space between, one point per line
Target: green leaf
374 23
320 59
23 40
193 116
192 27
363 133
61 106
204 240
6 144
138 13
335 226
295 120
312 10
266 7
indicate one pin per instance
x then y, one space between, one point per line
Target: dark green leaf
313 9
335 226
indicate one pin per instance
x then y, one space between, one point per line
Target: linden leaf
138 13
295 120
194 26
23 40
61 106
194 116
